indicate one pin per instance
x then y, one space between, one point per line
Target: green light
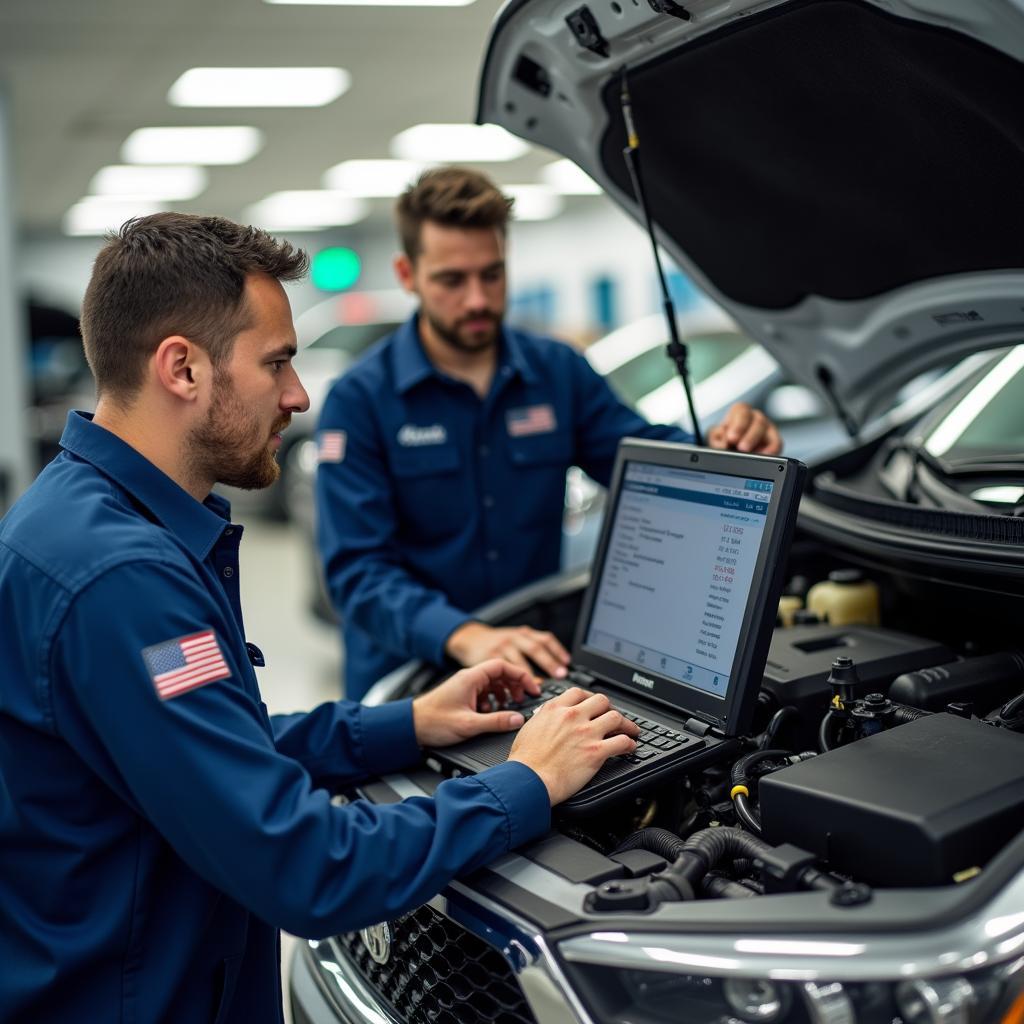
335 269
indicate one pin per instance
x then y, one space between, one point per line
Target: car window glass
353 338
649 370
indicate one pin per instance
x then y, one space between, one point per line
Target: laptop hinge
578 678
697 727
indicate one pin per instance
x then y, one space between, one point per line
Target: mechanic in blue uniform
156 825
443 452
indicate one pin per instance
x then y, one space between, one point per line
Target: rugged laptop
677 618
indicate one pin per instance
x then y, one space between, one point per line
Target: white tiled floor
303 654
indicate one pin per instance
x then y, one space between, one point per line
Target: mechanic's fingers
498 721
550 642
588 705
612 722
771 443
737 422
503 673
574 695
532 643
511 653
618 744
755 432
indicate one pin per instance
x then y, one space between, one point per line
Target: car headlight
993 996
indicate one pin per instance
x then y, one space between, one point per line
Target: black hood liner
829 149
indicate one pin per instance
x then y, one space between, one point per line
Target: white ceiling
82 74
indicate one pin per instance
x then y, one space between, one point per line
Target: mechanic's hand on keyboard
462 705
569 737
474 642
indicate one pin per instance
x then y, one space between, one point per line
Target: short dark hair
453 197
173 273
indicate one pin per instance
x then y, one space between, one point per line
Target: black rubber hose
657 840
903 714
773 725
746 813
740 768
722 887
824 743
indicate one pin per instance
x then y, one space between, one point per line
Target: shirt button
484 450
229 531
488 501
492 555
227 572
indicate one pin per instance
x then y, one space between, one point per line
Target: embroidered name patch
530 419
331 445
411 436
179 665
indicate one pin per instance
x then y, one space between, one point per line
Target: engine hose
657 840
774 724
747 815
903 714
741 795
722 887
1012 707
824 743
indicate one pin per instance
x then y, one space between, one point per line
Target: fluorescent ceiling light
96 215
457 143
569 179
232 145
373 178
306 210
534 202
156 182
259 87
377 3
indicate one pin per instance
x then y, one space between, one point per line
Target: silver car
843 177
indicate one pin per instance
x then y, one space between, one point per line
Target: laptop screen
678 592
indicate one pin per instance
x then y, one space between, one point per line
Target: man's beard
450 335
230 445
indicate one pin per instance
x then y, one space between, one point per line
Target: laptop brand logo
643 681
377 940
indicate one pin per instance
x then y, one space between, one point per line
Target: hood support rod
676 349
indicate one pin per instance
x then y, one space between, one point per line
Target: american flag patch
331 446
531 419
177 666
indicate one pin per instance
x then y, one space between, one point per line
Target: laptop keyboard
654 738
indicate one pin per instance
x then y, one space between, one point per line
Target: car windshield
986 424
353 338
652 368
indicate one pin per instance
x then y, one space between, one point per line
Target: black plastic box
910 806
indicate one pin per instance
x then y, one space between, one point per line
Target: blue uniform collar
198 525
411 364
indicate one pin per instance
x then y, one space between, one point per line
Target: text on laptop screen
677 572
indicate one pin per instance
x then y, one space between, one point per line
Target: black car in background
842 176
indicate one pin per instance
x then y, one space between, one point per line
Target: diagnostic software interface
677 572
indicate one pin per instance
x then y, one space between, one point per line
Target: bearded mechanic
156 825
443 452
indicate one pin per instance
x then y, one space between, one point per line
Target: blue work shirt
431 501
155 829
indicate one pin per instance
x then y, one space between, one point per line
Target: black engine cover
907 807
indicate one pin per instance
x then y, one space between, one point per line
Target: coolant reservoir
845 599
788 607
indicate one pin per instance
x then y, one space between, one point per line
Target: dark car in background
842 177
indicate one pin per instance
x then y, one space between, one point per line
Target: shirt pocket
539 464
429 486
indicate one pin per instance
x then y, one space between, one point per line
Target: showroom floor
303 654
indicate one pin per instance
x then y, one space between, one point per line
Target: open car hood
844 176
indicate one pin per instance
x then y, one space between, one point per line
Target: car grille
438 973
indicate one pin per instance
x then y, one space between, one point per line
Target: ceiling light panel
154 182
569 179
373 178
259 87
457 143
208 145
306 210
96 215
534 202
